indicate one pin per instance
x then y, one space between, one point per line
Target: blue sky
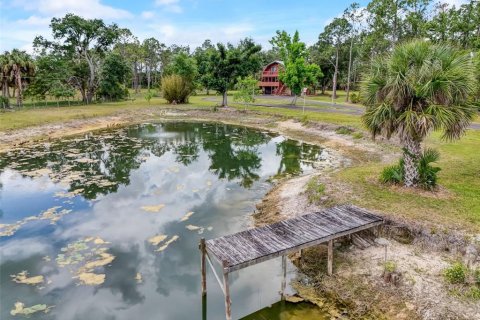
185 22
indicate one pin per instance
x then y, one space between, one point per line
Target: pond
106 226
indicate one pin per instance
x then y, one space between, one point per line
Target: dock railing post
284 277
204 267
228 302
330 258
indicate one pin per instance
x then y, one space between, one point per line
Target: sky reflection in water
218 172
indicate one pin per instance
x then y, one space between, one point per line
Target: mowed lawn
457 204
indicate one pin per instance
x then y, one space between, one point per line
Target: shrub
456 273
149 95
357 135
354 98
4 102
344 130
175 89
393 174
315 190
427 173
473 293
390 266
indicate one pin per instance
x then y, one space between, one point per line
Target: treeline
101 61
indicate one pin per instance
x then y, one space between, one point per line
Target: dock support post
284 277
204 267
204 307
228 302
330 258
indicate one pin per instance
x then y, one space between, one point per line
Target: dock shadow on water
106 226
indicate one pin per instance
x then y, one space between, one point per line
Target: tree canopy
298 73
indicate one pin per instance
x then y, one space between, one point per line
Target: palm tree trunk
411 155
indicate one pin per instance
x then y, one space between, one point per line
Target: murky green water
106 226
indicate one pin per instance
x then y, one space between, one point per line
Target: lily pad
156 208
21 310
172 239
23 278
187 216
157 239
139 277
90 278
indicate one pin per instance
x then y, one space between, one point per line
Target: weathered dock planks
256 245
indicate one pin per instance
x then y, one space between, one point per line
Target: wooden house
269 82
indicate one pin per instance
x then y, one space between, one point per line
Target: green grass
327 97
457 204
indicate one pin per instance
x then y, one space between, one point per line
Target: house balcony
270 73
269 84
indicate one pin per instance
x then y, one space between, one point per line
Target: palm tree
418 88
19 68
4 73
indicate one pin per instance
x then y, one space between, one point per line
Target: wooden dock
256 245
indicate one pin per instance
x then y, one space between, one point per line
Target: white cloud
20 33
194 34
237 29
84 8
34 21
170 5
148 14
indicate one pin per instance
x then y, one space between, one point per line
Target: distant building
269 82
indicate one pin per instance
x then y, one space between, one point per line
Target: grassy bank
455 205
33 116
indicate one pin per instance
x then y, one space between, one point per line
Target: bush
393 174
4 102
354 98
390 266
315 190
473 293
427 173
456 273
176 89
344 130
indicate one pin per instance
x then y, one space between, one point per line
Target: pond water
106 226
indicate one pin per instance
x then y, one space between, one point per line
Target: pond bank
417 254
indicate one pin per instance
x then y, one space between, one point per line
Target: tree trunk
349 71
294 100
84 96
148 76
224 100
18 80
335 76
135 77
411 155
91 79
